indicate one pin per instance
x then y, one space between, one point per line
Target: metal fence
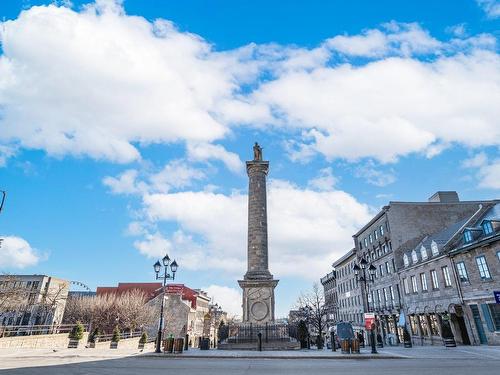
29 330
249 332
123 335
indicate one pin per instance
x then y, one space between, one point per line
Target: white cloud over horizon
16 252
103 84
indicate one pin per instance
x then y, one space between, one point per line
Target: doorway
479 324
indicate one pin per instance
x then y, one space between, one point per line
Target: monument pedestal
258 300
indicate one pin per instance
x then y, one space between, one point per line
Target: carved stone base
258 300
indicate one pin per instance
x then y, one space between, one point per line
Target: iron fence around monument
249 332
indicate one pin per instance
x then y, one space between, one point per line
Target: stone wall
57 341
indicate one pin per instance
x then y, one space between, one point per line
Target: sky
125 126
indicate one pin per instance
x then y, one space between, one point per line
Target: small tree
116 335
77 331
144 338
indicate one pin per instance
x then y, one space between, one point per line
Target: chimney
444 197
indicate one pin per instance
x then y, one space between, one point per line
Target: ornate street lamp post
364 278
166 276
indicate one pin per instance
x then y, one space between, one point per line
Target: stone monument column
258 283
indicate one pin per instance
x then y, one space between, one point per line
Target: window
423 325
423 253
371 238
487 227
414 257
484 272
379 298
434 248
361 245
366 242
495 315
468 236
381 230
391 292
35 285
387 268
434 280
384 249
498 255
390 245
405 260
386 299
462 272
405 285
446 276
423 281
393 265
381 270
434 324
414 285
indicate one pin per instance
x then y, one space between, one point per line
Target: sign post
370 326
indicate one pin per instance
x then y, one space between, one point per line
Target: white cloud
176 174
306 227
98 82
103 84
487 171
375 176
325 181
490 7
207 151
229 298
125 183
16 252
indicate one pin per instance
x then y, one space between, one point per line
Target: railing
28 330
249 332
123 335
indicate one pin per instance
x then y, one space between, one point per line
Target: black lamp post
166 276
365 276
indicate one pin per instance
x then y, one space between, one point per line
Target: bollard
259 341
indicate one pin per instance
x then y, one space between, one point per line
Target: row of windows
379 251
353 317
482 265
348 285
382 296
33 285
350 301
379 232
423 281
486 227
423 254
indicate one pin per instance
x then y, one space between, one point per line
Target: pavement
390 360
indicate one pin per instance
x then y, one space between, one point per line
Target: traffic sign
369 320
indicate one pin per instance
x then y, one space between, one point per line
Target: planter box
91 345
141 345
113 345
73 343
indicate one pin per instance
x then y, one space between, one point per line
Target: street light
366 277
166 276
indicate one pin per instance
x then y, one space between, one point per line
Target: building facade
350 300
35 300
331 298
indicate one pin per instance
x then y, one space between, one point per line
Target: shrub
116 335
77 331
144 338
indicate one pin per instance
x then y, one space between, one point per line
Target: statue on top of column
257 152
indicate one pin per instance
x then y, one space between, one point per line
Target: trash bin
345 346
178 345
355 346
168 345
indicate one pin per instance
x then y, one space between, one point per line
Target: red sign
369 320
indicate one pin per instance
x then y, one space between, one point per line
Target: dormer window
414 257
487 227
468 236
406 260
423 253
434 248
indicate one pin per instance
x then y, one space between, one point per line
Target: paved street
461 360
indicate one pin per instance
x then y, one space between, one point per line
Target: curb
344 357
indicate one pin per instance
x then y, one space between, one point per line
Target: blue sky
124 129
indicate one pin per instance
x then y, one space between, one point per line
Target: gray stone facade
329 283
258 283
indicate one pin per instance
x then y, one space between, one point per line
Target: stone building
476 260
350 300
398 227
331 298
41 299
431 293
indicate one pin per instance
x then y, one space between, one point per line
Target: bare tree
311 307
129 311
12 295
